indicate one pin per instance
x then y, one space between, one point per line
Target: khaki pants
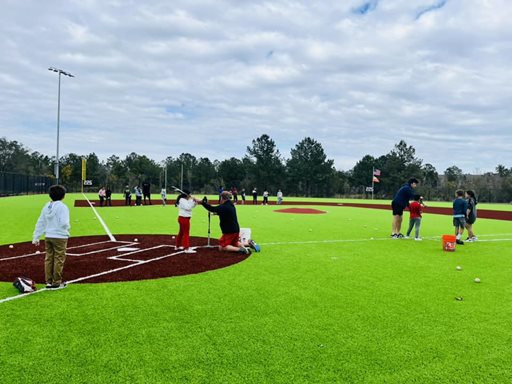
54 260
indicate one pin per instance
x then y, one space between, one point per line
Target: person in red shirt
415 216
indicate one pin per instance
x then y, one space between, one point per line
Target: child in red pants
185 203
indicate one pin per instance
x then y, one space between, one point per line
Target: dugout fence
19 184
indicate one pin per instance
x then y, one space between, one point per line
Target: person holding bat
185 203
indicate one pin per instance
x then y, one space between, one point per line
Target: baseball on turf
11 246
458 268
477 280
174 237
135 239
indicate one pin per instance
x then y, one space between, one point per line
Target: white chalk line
124 243
136 263
121 257
110 235
22 295
139 262
68 253
436 238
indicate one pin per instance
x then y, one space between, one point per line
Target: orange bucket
449 243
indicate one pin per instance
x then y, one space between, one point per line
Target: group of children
464 215
254 193
54 223
464 212
139 194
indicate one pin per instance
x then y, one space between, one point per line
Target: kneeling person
230 240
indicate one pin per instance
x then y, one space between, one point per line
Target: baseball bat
178 190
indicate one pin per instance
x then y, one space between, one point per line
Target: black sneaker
460 242
48 286
394 236
254 246
245 251
400 236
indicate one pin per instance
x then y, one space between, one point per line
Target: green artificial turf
322 303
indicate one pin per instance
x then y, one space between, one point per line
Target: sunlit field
330 298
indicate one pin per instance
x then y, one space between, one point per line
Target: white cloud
207 77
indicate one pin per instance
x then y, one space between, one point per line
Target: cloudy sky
207 77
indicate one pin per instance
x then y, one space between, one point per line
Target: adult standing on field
127 196
265 197
146 192
471 215
234 192
108 197
138 195
101 195
254 196
399 203
230 240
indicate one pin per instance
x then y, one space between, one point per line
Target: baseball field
331 298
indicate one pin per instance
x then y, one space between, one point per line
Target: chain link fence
18 184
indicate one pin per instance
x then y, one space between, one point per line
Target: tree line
307 172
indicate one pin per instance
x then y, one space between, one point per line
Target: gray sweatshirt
53 221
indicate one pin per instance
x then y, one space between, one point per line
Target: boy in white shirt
54 224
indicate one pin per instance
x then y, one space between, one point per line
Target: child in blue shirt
460 207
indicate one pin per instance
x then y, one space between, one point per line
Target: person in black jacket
127 196
108 197
399 203
230 240
146 191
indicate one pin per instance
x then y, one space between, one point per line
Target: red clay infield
307 211
96 259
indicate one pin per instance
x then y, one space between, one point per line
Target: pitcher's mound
307 211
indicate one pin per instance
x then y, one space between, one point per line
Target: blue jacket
404 194
460 206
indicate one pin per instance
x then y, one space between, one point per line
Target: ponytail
180 196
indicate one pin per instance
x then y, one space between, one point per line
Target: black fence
16 184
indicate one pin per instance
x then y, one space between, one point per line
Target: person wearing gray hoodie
54 224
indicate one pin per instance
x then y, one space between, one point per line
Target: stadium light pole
60 72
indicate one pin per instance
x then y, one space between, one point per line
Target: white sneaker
406 237
474 238
189 250
469 240
418 239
